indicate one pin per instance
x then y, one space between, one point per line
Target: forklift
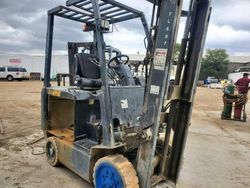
108 127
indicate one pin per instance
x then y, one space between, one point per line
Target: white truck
13 73
238 73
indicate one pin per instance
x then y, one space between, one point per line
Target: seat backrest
84 67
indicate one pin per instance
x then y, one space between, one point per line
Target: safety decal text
155 90
124 103
160 58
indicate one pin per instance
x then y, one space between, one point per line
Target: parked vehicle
243 69
13 73
238 73
211 79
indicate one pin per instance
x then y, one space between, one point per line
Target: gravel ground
217 152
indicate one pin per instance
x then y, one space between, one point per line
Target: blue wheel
114 172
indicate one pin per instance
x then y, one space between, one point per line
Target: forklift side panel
126 103
74 158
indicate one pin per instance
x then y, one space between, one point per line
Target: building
236 62
35 63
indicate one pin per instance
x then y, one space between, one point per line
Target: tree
215 63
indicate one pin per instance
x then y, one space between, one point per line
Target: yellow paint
54 93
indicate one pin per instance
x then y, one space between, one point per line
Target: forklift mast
165 29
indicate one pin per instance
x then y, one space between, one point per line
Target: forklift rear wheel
115 171
51 151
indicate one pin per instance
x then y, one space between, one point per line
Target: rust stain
65 138
65 135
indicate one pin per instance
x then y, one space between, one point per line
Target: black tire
52 151
10 78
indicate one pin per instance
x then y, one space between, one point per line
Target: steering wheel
117 61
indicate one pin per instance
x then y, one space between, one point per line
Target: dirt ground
217 152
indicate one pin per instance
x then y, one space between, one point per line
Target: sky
23 27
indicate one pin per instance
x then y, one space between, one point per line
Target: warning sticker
54 93
155 90
160 58
124 103
91 101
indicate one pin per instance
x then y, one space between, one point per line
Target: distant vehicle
211 80
238 73
13 73
220 85
216 86
243 69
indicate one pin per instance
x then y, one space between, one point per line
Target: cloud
232 13
23 27
26 26
235 41
130 41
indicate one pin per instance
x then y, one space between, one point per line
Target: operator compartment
75 109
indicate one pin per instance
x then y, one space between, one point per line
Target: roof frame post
48 53
47 70
106 121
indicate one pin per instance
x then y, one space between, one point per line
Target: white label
155 90
160 58
124 103
91 101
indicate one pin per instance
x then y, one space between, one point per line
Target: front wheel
115 171
10 78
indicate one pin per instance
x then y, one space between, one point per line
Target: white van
14 73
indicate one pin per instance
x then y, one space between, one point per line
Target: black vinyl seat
87 71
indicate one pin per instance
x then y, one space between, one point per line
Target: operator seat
87 71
